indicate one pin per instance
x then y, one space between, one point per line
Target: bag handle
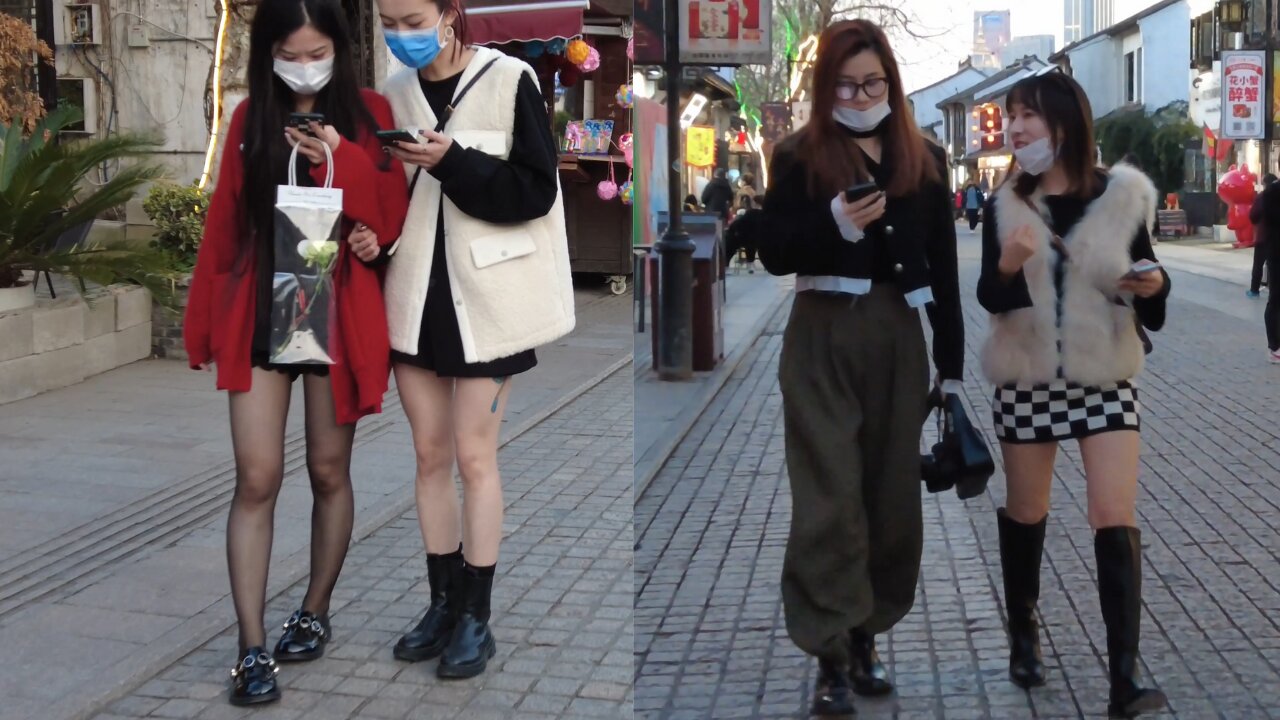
1057 241
293 165
448 112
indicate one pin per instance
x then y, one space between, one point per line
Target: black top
913 245
1265 213
998 296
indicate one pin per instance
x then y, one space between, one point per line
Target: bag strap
448 111
1057 241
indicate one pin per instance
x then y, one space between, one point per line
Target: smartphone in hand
388 137
860 191
1140 268
302 121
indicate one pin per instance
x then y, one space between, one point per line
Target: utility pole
674 360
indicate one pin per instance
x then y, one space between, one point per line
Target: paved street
712 527
113 499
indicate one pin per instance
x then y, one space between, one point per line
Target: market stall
580 50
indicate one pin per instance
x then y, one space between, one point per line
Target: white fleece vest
1100 343
511 284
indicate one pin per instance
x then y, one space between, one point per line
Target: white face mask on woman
305 78
862 120
1037 157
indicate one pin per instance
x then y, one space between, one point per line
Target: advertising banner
725 32
1244 77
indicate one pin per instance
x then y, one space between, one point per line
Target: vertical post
674 359
46 73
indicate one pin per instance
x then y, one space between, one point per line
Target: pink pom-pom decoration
607 190
592 63
631 48
627 143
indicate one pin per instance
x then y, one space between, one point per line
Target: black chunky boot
253 679
832 695
869 677
471 644
429 637
304 638
1021 548
1119 554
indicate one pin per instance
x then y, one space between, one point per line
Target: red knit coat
221 305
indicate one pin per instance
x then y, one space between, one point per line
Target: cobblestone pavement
562 600
712 529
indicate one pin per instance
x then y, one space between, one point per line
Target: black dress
1060 409
523 193
260 349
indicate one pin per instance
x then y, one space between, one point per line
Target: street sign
1244 82
725 32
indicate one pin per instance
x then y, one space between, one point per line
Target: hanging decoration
608 189
631 48
627 192
577 51
625 97
570 75
626 143
700 147
535 49
556 46
592 63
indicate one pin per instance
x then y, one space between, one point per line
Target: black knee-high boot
1119 554
1021 548
430 636
471 644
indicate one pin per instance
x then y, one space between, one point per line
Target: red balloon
569 76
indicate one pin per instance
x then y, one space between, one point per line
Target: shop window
1133 76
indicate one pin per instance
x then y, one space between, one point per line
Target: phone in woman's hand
1140 268
860 191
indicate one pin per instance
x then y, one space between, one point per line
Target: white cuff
952 387
848 230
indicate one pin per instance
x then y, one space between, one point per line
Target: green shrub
178 212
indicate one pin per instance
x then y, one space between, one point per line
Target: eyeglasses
873 88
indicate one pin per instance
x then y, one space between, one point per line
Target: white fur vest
1098 339
512 289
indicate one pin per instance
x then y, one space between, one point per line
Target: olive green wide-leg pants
854 374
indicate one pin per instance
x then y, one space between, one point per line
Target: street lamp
1231 11
674 359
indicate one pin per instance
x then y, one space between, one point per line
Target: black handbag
961 458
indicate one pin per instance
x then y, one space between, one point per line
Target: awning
497 22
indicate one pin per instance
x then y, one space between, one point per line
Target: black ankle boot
429 637
253 679
1021 548
1119 554
865 669
831 693
471 644
304 638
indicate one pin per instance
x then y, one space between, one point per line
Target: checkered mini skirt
1062 410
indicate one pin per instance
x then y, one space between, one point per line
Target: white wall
926 101
1098 66
1166 48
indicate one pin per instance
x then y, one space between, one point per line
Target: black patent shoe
430 636
869 677
253 679
304 638
471 644
832 696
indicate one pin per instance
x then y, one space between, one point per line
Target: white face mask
1036 158
862 120
305 78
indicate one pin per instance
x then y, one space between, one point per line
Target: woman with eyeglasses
854 370
1067 268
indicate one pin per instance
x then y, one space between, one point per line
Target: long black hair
1063 105
266 152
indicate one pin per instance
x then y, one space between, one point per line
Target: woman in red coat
299 61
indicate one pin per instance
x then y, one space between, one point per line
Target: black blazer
797 234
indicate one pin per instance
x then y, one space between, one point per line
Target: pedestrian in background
1059 240
717 196
1265 213
854 370
479 279
300 60
1261 248
974 199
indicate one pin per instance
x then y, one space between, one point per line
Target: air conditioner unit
81 25
80 92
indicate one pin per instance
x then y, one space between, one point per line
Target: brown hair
828 151
1063 105
459 24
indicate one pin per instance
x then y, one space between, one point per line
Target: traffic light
991 122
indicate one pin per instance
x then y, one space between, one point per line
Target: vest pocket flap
493 249
489 142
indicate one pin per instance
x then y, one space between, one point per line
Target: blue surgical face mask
415 48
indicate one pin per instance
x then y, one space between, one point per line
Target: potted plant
44 193
178 213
